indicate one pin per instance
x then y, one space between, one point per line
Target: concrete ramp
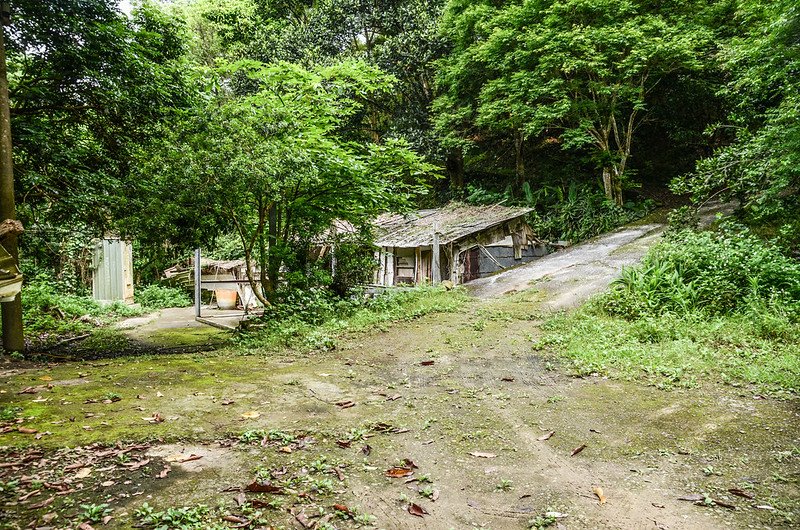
572 275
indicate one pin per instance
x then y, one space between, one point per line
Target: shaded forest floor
460 399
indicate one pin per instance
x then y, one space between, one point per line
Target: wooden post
436 273
13 338
417 266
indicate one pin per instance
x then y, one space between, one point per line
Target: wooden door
472 269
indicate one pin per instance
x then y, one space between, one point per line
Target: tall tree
761 167
87 85
274 166
578 70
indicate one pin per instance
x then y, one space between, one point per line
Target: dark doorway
472 268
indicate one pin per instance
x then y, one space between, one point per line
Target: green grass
679 350
294 331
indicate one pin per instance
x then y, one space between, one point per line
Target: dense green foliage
312 319
707 272
761 166
251 125
710 305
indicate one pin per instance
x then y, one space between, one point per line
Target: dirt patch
436 391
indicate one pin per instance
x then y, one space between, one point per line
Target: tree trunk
519 159
13 338
454 164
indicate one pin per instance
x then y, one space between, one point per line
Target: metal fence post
197 278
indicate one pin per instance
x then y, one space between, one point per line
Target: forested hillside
247 126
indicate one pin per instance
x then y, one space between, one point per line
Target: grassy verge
703 306
676 350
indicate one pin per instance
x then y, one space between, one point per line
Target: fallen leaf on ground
164 472
346 404
507 379
478 454
435 495
578 449
303 520
83 472
180 458
724 504
26 430
155 418
30 390
45 378
692 497
597 490
426 363
341 508
44 503
344 444
546 436
250 415
240 499
366 449
107 483
764 507
237 519
410 463
228 402
133 466
656 505
85 526
107 519
159 394
741 493
263 487
416 509
399 472
394 397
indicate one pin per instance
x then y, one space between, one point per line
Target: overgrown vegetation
312 319
721 306
50 315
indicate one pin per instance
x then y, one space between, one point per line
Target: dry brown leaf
26 430
546 436
578 449
85 526
410 463
83 473
263 487
181 458
164 472
478 454
346 404
597 490
426 363
366 449
724 504
416 509
155 418
341 508
399 472
44 503
741 493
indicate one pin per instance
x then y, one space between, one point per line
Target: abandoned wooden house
457 242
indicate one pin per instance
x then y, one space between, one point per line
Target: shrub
159 297
713 273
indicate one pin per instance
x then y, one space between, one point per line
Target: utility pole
13 340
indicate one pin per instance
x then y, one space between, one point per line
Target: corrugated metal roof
453 222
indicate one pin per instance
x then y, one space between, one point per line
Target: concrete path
571 276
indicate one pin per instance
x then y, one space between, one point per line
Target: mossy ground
487 390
